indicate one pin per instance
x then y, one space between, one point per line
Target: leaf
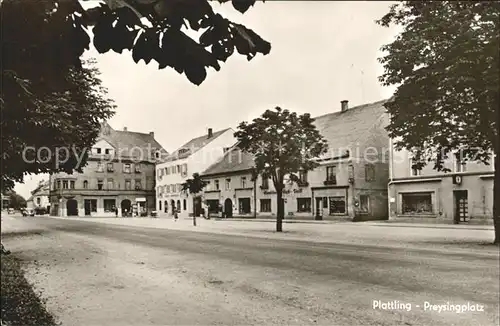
242 5
195 73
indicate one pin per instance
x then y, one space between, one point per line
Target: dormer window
157 154
183 150
98 150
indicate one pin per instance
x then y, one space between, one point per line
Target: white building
40 197
193 157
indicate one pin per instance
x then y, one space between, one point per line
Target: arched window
184 204
85 184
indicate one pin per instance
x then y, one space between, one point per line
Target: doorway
461 206
244 206
126 206
72 207
319 208
228 208
87 208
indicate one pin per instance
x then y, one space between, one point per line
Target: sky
322 52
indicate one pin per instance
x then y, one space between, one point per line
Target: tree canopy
194 185
445 64
50 98
282 143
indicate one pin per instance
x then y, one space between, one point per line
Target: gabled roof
234 160
342 130
127 143
193 146
42 189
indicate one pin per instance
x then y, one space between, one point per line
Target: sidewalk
366 234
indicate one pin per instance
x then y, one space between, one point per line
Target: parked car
40 210
28 212
10 211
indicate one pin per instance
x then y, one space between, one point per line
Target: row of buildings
361 178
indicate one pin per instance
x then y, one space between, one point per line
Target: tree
194 186
16 200
282 143
445 63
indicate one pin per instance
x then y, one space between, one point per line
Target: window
325 202
100 167
100 184
351 171
184 204
228 184
138 184
72 184
369 172
38 201
265 205
216 184
331 175
167 171
157 155
110 167
58 184
179 189
208 186
178 169
184 169
417 203
107 151
85 184
337 205
167 188
364 203
243 182
98 150
414 172
128 184
110 183
109 205
302 177
265 183
65 184
126 168
303 205
460 166
137 168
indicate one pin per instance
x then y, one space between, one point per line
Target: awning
141 199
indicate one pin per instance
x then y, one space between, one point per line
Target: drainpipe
391 175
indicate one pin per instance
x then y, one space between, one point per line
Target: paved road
96 274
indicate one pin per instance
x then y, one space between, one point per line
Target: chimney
210 133
152 134
344 105
124 128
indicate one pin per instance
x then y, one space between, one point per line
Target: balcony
302 184
330 182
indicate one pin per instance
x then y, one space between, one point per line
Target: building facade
119 178
463 195
40 197
350 181
5 201
193 157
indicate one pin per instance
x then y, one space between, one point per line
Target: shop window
303 205
265 205
337 205
417 203
109 205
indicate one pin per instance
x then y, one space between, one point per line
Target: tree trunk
496 183
279 216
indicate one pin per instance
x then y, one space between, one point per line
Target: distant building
40 196
193 157
463 194
350 182
120 175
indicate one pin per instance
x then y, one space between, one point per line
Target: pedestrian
176 216
116 211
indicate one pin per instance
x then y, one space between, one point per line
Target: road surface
102 274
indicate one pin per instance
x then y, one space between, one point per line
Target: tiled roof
234 160
126 143
342 130
193 146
